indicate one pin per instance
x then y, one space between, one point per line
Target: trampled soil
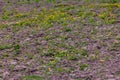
59 40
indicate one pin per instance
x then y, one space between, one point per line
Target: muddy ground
59 40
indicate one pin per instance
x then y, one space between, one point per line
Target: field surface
59 40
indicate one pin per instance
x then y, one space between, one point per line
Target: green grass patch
2 47
32 77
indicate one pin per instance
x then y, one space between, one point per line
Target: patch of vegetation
115 46
84 67
110 1
37 1
16 48
108 17
61 54
50 52
55 36
32 77
84 52
67 29
6 15
2 47
72 57
5 55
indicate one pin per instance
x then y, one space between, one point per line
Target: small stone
5 74
1 79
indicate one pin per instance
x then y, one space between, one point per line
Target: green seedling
2 47
37 1
32 77
83 67
67 29
17 48
84 52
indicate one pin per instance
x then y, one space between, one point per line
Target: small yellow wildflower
101 60
49 69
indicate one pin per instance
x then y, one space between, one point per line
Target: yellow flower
101 60
118 5
49 69
53 62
